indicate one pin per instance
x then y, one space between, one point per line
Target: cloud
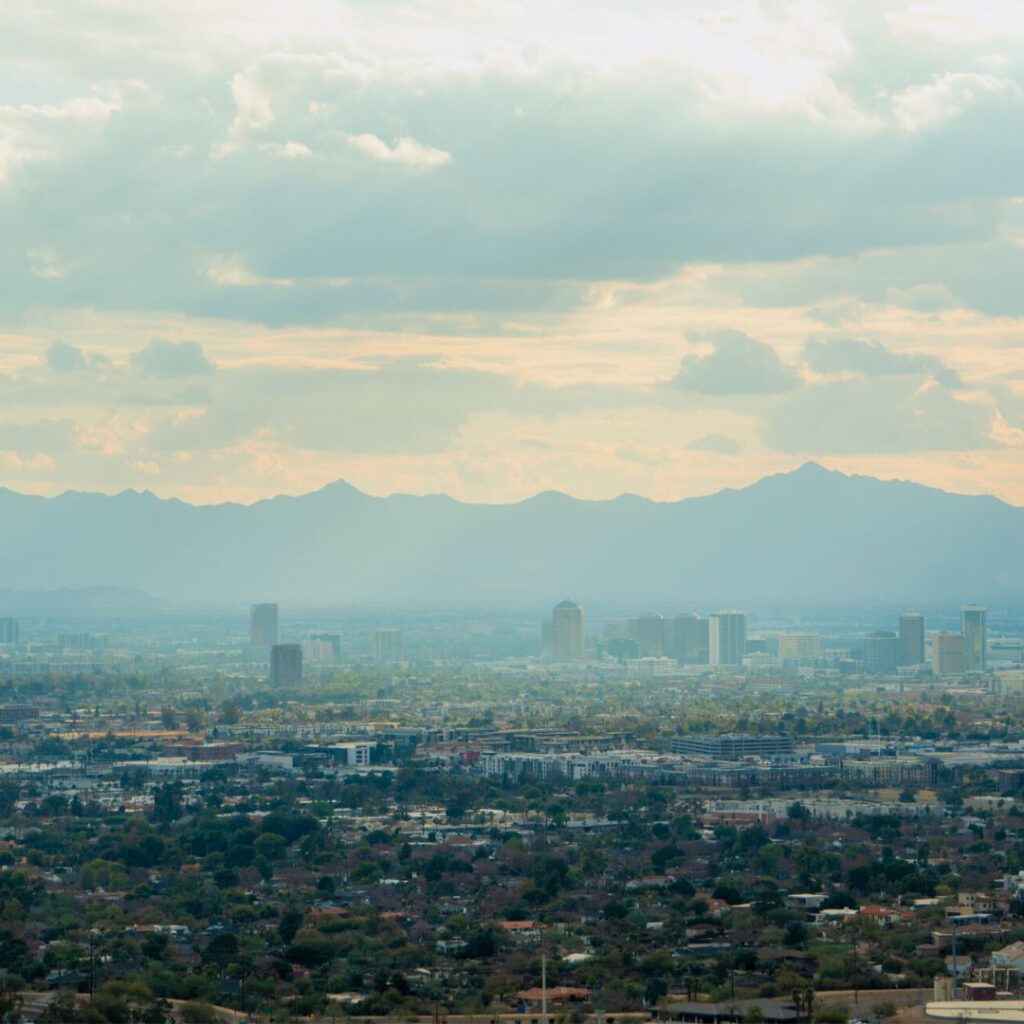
44 263
722 444
290 150
162 358
64 358
922 106
878 415
871 358
736 365
404 150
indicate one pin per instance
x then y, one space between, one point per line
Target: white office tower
727 638
567 632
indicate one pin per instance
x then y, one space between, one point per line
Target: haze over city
511 512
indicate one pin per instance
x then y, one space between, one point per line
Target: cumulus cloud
873 359
736 365
404 150
64 358
921 106
462 187
161 358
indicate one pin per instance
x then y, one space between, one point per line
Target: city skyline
512 511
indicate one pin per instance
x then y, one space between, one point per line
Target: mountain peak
809 536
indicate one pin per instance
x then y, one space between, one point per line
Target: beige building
799 647
567 632
947 654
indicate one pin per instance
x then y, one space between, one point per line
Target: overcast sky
494 248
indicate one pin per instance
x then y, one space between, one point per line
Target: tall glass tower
974 629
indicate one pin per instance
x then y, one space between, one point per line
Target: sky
492 248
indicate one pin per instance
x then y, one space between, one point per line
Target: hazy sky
492 248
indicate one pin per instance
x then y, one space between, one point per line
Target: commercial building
650 635
687 639
264 629
8 631
387 646
974 630
881 652
947 654
352 755
331 641
12 714
890 771
733 747
727 638
911 639
799 647
285 664
567 635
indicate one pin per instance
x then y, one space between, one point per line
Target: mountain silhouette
809 536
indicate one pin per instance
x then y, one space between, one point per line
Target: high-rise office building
567 643
649 633
286 664
687 639
8 631
799 647
947 654
881 652
264 630
974 630
911 639
727 638
387 646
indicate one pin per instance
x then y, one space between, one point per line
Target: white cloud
922 106
404 150
290 150
44 262
45 131
231 269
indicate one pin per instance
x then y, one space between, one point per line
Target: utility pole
543 985
956 965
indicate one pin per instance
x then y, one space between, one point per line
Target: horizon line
808 465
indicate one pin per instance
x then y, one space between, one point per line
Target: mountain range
809 536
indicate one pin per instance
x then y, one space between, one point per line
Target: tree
270 846
10 998
167 802
221 950
59 1010
289 925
